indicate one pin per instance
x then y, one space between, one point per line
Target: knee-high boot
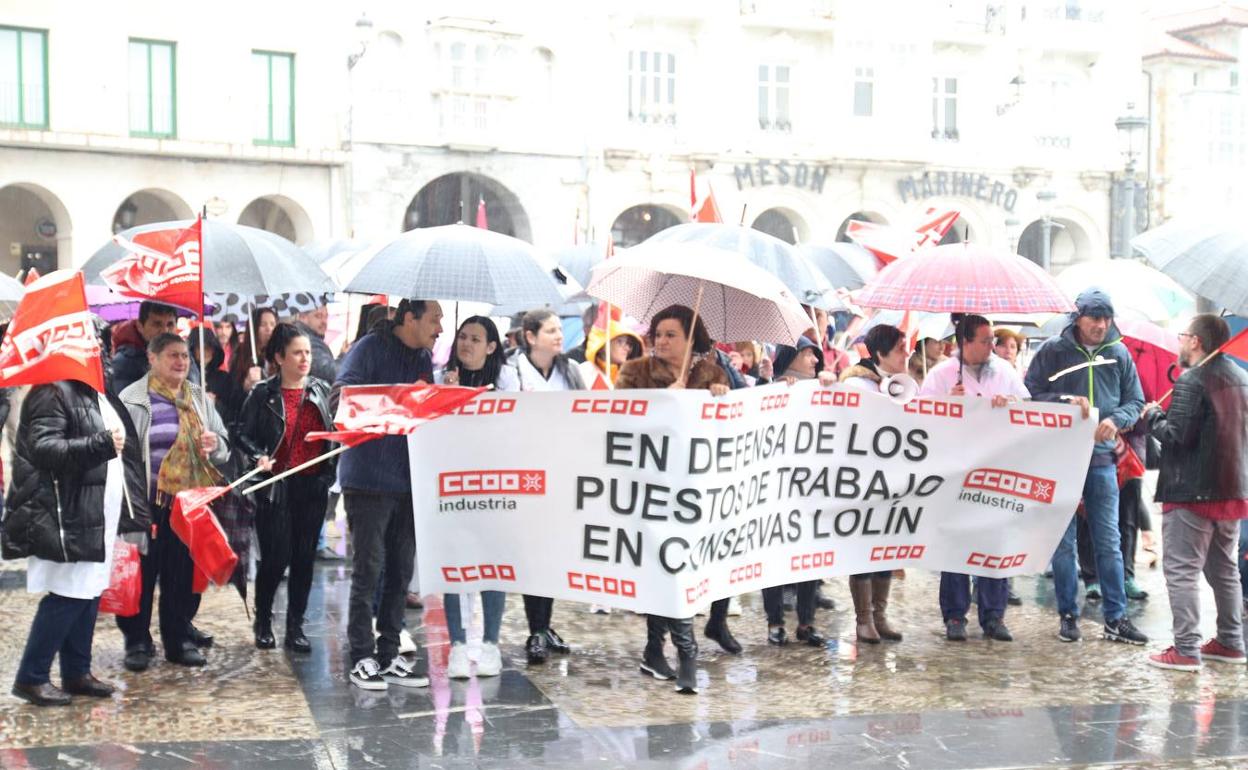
860 590
687 648
879 599
653 661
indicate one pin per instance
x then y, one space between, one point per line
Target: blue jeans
492 604
1100 500
955 597
61 625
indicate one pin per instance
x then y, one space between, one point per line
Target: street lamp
1132 136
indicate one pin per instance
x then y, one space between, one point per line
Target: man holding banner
975 371
377 493
1088 365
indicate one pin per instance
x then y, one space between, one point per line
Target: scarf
183 467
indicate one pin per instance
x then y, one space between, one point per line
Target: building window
945 108
23 77
773 97
652 87
274 81
864 91
153 91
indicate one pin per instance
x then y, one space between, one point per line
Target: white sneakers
458 666
367 674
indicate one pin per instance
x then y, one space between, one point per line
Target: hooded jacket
129 356
55 507
594 343
1114 389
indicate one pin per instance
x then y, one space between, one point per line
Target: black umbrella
236 258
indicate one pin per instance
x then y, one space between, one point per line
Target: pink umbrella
1155 351
965 278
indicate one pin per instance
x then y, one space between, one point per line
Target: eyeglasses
1185 334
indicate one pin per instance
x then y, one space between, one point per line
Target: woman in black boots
670 330
279 412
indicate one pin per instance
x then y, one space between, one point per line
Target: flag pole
296 469
203 320
697 306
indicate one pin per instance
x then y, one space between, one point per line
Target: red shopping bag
125 585
194 523
1129 464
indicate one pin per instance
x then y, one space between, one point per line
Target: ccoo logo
1012 483
456 483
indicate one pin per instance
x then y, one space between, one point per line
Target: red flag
481 221
693 190
366 412
709 210
932 231
162 265
52 335
1237 346
195 525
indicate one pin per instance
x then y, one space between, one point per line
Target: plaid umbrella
739 300
467 264
805 281
964 278
1206 258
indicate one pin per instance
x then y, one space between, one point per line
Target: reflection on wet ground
921 703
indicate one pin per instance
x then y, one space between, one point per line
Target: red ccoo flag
52 335
162 265
366 412
1237 345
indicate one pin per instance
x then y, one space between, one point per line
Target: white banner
661 501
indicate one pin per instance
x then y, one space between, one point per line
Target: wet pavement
920 703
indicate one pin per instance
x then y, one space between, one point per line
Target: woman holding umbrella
477 360
277 416
541 366
246 368
670 333
886 356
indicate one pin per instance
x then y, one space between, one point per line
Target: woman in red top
276 418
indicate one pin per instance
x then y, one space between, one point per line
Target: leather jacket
262 424
1204 435
55 506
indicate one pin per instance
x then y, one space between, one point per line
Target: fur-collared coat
652 372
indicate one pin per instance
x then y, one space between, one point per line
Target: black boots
687 649
296 640
717 630
653 661
264 630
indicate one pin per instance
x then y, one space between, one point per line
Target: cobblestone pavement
920 703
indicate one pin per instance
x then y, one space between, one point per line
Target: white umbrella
1131 284
735 299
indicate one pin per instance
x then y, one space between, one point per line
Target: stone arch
1069 243
784 223
455 197
637 223
149 206
34 219
280 215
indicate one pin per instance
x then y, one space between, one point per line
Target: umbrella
964 278
1130 284
236 308
11 293
1206 258
739 300
805 280
236 258
1155 351
322 251
846 265
578 260
469 264
935 326
112 307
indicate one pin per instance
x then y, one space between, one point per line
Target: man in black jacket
1203 488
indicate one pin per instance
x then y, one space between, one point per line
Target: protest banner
662 501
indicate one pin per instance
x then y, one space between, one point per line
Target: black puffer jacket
55 506
1204 435
262 424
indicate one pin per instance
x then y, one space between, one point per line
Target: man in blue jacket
1113 388
377 494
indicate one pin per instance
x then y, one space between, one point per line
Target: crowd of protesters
89 468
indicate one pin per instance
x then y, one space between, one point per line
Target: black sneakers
1123 630
996 630
955 630
366 675
1069 631
654 663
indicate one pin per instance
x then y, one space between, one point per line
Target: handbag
125 584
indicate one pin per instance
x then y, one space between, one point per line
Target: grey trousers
1193 545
